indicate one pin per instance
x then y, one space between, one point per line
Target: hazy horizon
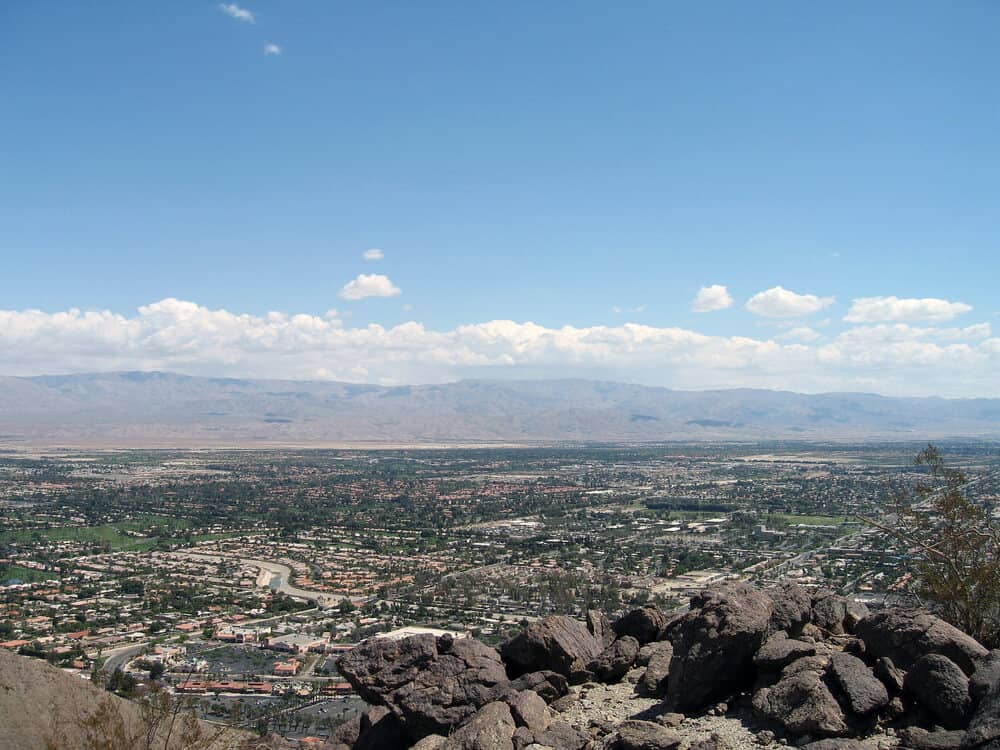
495 378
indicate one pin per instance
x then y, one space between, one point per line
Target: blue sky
584 165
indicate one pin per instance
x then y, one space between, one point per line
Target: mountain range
148 409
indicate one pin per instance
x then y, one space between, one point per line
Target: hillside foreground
43 707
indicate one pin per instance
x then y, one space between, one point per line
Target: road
284 574
120 656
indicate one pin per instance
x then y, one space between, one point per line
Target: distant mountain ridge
157 408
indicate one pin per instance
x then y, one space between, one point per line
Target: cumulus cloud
800 333
182 336
235 11
778 302
711 298
272 49
370 285
373 254
904 332
888 309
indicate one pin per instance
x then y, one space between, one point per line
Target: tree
159 722
955 545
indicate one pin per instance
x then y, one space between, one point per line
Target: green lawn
220 535
106 534
25 575
791 518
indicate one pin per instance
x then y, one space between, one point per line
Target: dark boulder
600 627
491 728
635 734
561 705
942 688
916 738
559 736
864 692
836 614
612 664
802 704
904 635
818 664
714 645
779 651
557 643
987 675
658 658
647 651
431 684
348 732
379 728
549 685
792 607
892 677
644 624
984 727
529 710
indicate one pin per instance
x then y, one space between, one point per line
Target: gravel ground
609 705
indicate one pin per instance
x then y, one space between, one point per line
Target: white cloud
800 333
778 302
370 285
186 337
373 254
272 49
888 309
619 310
904 332
235 11
711 298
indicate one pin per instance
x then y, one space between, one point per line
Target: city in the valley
237 577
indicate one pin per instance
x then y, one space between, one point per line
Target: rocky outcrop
938 683
490 728
642 735
984 729
615 660
600 627
917 738
779 651
904 635
829 677
802 704
378 727
549 685
863 691
656 657
987 675
644 624
560 644
792 608
835 614
714 645
432 685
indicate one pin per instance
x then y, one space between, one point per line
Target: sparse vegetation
955 545
163 722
